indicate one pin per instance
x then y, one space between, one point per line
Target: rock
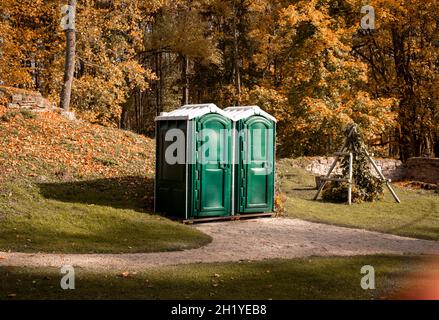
42 179
20 98
69 115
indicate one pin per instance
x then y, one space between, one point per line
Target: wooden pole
322 185
350 180
351 159
389 186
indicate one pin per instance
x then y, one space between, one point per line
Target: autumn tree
176 44
308 62
403 58
180 29
110 38
306 54
30 43
12 72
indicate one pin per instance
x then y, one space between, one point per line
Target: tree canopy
308 62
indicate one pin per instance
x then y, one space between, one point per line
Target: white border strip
156 171
233 166
188 135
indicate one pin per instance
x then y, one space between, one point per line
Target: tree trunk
185 99
136 109
409 138
69 65
123 123
159 83
236 69
436 149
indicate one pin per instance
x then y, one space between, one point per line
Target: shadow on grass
314 278
111 234
130 192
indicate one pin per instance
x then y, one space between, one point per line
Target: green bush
366 187
27 114
337 192
8 116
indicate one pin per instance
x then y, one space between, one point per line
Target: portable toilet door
254 159
199 185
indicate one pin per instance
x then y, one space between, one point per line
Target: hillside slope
77 187
44 145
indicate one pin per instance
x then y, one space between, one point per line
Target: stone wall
25 99
415 169
423 169
392 169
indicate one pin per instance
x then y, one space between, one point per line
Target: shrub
366 187
27 114
8 116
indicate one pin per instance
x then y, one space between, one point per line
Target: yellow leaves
258 6
325 82
108 40
318 109
305 11
289 17
271 100
373 115
137 75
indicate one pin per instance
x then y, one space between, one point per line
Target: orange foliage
49 146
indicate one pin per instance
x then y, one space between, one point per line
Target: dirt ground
257 239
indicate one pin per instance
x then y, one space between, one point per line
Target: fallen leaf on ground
125 274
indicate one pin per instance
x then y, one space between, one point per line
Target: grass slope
314 278
77 187
417 215
45 146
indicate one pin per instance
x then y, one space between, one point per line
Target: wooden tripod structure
344 152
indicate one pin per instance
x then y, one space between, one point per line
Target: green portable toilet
254 159
193 181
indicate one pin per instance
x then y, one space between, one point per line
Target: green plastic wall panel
211 175
254 172
170 179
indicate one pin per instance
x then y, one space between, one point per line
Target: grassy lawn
75 187
315 278
417 215
105 215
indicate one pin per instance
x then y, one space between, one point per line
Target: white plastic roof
238 113
191 111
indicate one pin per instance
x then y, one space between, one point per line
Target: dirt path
245 240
